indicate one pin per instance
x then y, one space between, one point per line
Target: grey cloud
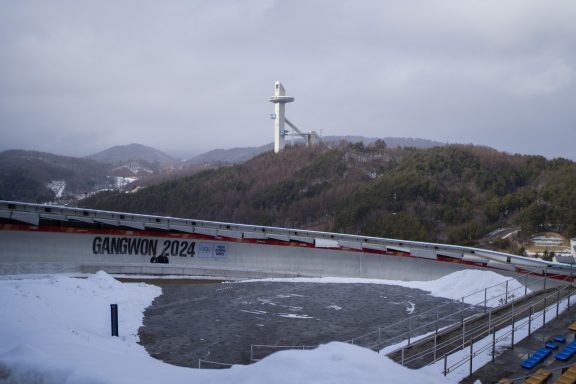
189 76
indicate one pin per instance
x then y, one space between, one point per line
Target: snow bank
453 286
331 363
56 324
57 330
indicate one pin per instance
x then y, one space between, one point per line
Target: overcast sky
188 76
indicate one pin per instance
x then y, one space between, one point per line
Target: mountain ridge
133 151
240 154
453 193
35 176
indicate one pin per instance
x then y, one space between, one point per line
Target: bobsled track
50 239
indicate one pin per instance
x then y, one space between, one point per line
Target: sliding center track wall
66 250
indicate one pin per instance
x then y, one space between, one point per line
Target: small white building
568 257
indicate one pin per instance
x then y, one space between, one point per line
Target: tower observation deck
279 99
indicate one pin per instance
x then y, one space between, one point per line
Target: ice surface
294 316
469 283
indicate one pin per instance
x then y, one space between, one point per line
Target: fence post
409 328
513 305
506 298
437 320
402 358
436 334
485 299
471 354
526 285
114 319
530 320
435 344
379 334
558 302
445 365
544 313
513 329
251 353
493 344
463 334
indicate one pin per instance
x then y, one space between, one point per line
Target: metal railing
488 335
479 302
375 340
30 213
560 297
464 337
480 331
206 364
470 331
495 330
410 327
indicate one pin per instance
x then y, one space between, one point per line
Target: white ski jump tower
279 99
280 133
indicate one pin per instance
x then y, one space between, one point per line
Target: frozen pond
219 322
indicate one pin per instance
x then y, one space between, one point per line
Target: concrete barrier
40 239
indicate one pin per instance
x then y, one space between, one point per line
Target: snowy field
56 329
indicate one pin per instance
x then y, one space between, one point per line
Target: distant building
568 257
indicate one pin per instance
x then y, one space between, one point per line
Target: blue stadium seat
560 339
566 352
536 358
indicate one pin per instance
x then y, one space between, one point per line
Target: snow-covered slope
58 187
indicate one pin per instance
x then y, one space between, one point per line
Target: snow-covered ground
122 181
57 186
56 329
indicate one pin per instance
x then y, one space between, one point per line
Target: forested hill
452 194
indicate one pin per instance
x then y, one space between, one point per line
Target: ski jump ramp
54 239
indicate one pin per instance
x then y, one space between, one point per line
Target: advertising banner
212 250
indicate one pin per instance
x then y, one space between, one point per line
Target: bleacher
568 377
540 377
